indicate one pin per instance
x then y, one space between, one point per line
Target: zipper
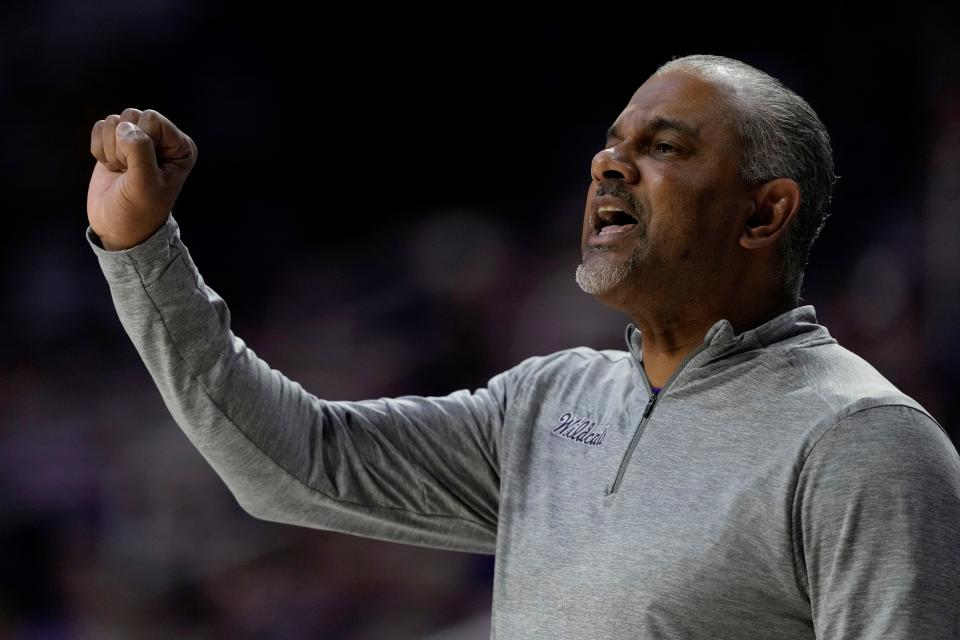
651 403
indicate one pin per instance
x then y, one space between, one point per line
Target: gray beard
600 277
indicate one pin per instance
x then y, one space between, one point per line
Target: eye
664 144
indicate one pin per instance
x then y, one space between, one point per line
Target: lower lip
609 238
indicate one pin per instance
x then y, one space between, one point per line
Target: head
723 176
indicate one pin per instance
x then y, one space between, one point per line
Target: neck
669 335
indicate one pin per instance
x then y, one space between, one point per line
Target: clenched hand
143 160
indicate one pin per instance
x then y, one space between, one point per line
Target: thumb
135 149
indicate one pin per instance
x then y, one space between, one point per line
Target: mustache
616 190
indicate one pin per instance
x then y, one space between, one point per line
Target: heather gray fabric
779 487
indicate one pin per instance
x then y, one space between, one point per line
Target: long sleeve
877 516
413 469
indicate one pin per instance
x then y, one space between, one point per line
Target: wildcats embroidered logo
580 430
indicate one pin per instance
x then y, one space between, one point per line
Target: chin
599 277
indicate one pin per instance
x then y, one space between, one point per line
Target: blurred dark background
390 202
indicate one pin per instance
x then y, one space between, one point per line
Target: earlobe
776 204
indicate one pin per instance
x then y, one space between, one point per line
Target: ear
775 204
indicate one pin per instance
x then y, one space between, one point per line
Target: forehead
680 101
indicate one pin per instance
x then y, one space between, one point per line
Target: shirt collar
799 323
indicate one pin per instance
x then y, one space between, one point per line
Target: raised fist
143 160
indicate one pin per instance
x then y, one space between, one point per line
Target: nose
610 164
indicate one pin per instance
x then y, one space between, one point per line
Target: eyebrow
660 123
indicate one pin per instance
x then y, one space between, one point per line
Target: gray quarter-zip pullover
778 487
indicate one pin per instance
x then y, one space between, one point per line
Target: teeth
612 229
610 209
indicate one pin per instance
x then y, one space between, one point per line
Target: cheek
686 222
679 213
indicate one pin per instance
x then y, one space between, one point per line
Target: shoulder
576 356
843 382
567 365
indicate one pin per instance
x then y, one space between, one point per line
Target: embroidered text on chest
580 430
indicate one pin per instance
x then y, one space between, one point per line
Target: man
735 473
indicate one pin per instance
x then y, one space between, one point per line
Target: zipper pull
650 403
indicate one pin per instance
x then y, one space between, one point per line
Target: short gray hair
783 138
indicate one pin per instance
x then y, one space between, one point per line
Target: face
663 203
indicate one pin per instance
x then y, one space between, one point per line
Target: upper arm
434 454
877 512
417 469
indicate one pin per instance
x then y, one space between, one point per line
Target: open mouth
610 220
